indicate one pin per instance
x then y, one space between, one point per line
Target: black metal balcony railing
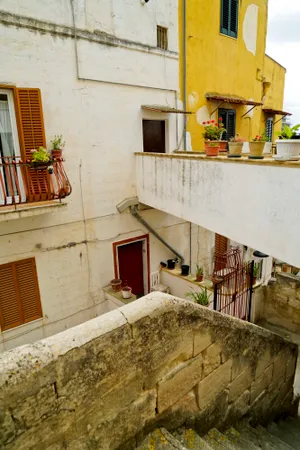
21 182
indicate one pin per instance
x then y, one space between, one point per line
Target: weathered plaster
250 28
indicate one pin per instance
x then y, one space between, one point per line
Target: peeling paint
250 28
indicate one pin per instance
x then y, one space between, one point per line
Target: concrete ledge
24 210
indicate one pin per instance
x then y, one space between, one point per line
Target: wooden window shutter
225 8
233 25
31 120
19 294
230 124
32 136
229 17
221 244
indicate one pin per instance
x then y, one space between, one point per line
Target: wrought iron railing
22 182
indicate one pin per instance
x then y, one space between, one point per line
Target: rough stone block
261 383
291 368
240 384
237 409
280 363
211 358
214 383
263 361
179 382
181 412
7 427
202 340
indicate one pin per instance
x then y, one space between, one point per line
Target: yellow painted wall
222 64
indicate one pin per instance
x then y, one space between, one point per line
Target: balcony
248 201
22 185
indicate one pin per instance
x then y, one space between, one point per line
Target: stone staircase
283 435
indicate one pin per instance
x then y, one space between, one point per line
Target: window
229 17
269 128
162 38
221 247
154 136
19 294
228 118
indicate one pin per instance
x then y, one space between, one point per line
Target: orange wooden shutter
31 120
19 294
221 247
10 308
32 136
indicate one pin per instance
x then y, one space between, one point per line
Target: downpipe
138 217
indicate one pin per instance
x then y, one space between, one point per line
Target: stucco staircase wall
160 361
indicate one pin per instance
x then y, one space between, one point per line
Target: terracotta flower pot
116 285
212 151
222 145
254 281
199 278
256 149
235 148
57 153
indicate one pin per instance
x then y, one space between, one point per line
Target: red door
130 258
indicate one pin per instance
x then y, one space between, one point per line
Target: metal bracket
219 106
251 109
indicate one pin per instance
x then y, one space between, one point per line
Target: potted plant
126 292
235 147
185 270
40 158
213 131
199 273
287 146
212 148
116 285
201 298
256 268
257 146
57 146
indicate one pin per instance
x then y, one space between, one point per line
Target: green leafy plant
213 131
202 297
57 142
41 155
199 270
288 132
256 268
213 144
236 138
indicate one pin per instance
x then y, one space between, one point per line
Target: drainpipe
135 214
184 70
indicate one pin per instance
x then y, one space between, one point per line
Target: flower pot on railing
235 149
212 149
256 149
185 270
171 263
126 292
56 154
57 146
116 285
288 148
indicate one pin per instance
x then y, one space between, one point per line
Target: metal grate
162 37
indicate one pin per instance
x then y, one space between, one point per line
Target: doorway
131 259
154 136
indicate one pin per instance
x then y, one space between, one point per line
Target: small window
154 136
269 128
19 294
229 17
228 118
162 38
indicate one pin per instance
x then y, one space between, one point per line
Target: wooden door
154 136
130 257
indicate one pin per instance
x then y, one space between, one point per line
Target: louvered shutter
10 308
233 24
225 4
269 128
229 17
223 114
19 294
28 289
221 247
230 124
32 136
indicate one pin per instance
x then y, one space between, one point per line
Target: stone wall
158 361
281 305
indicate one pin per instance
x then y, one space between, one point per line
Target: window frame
220 111
227 31
270 119
162 37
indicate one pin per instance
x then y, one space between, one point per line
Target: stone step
273 439
293 429
161 439
240 443
215 440
191 440
283 434
253 436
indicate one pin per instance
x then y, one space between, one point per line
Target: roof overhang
276 111
164 109
231 99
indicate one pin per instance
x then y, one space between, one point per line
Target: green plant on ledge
41 155
202 297
199 270
256 268
288 132
57 142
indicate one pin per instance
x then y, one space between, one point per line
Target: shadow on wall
158 361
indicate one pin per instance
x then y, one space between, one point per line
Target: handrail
25 182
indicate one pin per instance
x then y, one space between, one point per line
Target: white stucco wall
254 204
102 126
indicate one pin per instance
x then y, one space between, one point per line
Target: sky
283 44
